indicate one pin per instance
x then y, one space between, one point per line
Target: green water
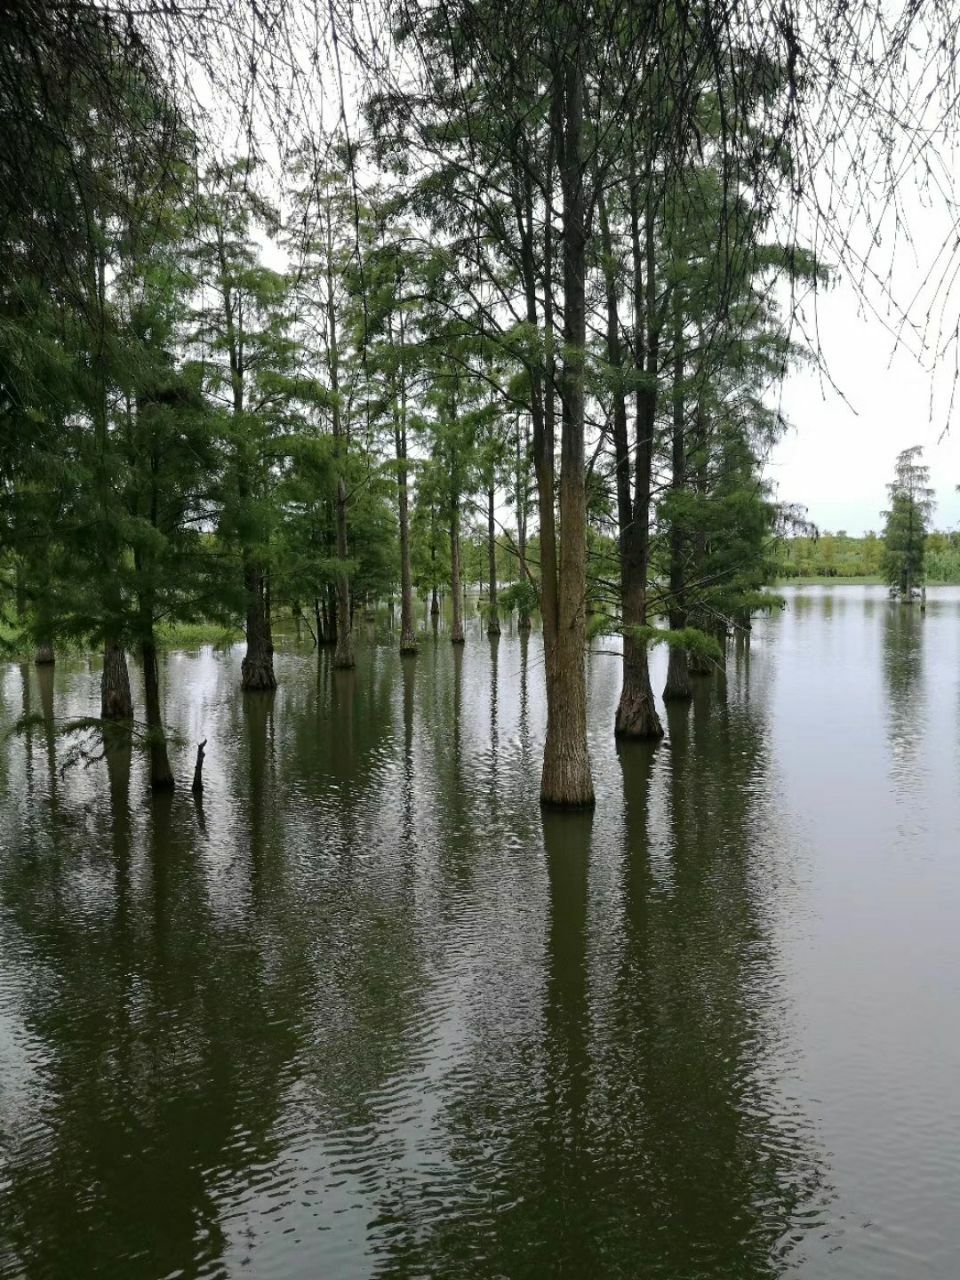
366 1013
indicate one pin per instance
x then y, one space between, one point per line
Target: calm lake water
367 1013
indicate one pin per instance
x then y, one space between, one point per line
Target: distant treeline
838 555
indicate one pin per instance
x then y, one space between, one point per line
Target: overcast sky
838 457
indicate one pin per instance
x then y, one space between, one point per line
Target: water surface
364 1012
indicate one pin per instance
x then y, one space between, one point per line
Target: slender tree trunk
523 614
456 590
678 687
408 636
566 779
331 614
115 700
698 664
636 715
161 775
343 655
256 670
493 614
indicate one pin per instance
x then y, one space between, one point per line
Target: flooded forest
433 839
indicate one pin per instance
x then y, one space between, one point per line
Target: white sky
837 458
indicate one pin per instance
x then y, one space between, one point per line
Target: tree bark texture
161 775
456 593
566 779
636 715
493 614
256 670
678 687
115 700
408 635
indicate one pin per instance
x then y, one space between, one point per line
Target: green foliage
521 596
906 524
688 639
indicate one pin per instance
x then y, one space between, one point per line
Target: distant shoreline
874 581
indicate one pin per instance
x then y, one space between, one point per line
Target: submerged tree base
698 664
637 716
566 782
115 700
44 657
678 687
256 673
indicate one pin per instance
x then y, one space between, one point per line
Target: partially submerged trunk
699 664
44 656
161 775
523 614
256 670
115 700
330 615
343 654
493 614
566 780
636 714
408 635
456 592
678 687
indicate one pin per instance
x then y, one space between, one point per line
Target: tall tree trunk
566 778
256 670
698 664
523 614
115 700
343 656
493 614
408 636
678 687
636 715
161 775
456 591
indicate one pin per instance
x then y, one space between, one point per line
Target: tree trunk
636 715
115 700
493 614
456 631
44 655
566 779
161 776
678 687
343 656
256 670
698 664
330 635
408 636
523 450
